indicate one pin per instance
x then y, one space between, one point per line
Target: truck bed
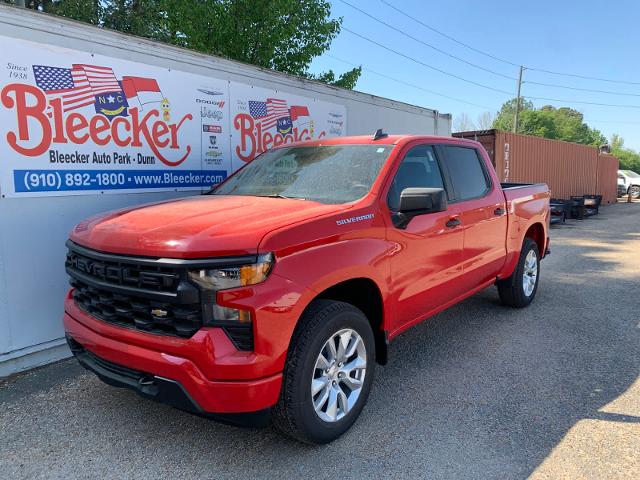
525 191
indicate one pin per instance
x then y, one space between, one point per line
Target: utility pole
515 117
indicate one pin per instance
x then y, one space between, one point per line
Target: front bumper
201 394
158 388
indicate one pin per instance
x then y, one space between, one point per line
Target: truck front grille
133 312
149 294
152 295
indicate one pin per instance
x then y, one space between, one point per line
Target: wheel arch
364 294
536 232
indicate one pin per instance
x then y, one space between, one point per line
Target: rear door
483 213
427 258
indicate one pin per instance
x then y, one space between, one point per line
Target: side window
419 168
467 174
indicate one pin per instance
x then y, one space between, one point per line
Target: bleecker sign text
31 108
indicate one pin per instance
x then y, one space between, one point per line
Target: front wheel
634 191
328 373
520 288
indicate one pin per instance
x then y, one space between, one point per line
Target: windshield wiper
278 195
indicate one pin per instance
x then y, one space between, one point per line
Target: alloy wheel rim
338 375
530 275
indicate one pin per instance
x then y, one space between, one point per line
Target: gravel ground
479 391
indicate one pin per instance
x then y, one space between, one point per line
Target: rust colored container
607 181
568 168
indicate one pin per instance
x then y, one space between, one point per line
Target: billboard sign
77 123
72 122
263 118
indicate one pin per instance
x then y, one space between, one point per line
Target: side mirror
419 201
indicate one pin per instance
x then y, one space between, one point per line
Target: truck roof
387 140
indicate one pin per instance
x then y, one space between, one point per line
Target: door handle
498 211
453 222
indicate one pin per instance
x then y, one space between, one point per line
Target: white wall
33 281
33 231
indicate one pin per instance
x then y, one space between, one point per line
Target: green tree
629 159
346 80
504 117
616 142
550 122
282 35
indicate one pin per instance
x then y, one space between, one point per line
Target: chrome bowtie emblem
158 312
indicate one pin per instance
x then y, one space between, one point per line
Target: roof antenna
379 134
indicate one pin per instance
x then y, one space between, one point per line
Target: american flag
268 112
76 86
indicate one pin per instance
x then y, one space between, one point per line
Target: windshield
630 173
329 174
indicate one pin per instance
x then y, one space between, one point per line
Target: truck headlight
233 277
211 281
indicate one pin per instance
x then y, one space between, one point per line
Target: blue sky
587 38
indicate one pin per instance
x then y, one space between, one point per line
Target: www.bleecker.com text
114 158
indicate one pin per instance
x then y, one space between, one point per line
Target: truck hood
195 227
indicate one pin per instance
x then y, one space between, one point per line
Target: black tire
294 414
511 290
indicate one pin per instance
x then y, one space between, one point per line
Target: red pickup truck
275 294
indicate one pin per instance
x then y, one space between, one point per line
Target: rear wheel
634 191
328 373
520 288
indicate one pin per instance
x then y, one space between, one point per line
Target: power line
584 77
444 72
581 102
409 84
542 70
480 84
530 82
567 87
449 36
443 52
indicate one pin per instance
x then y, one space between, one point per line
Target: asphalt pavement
479 391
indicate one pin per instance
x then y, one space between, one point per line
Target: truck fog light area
236 324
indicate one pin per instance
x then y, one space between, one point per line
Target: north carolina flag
146 90
297 111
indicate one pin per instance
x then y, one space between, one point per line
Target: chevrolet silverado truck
274 295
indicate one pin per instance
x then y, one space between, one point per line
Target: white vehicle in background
628 183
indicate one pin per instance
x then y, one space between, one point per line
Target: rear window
467 174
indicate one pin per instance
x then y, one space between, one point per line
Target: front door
426 262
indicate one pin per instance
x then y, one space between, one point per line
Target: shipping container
568 168
210 116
